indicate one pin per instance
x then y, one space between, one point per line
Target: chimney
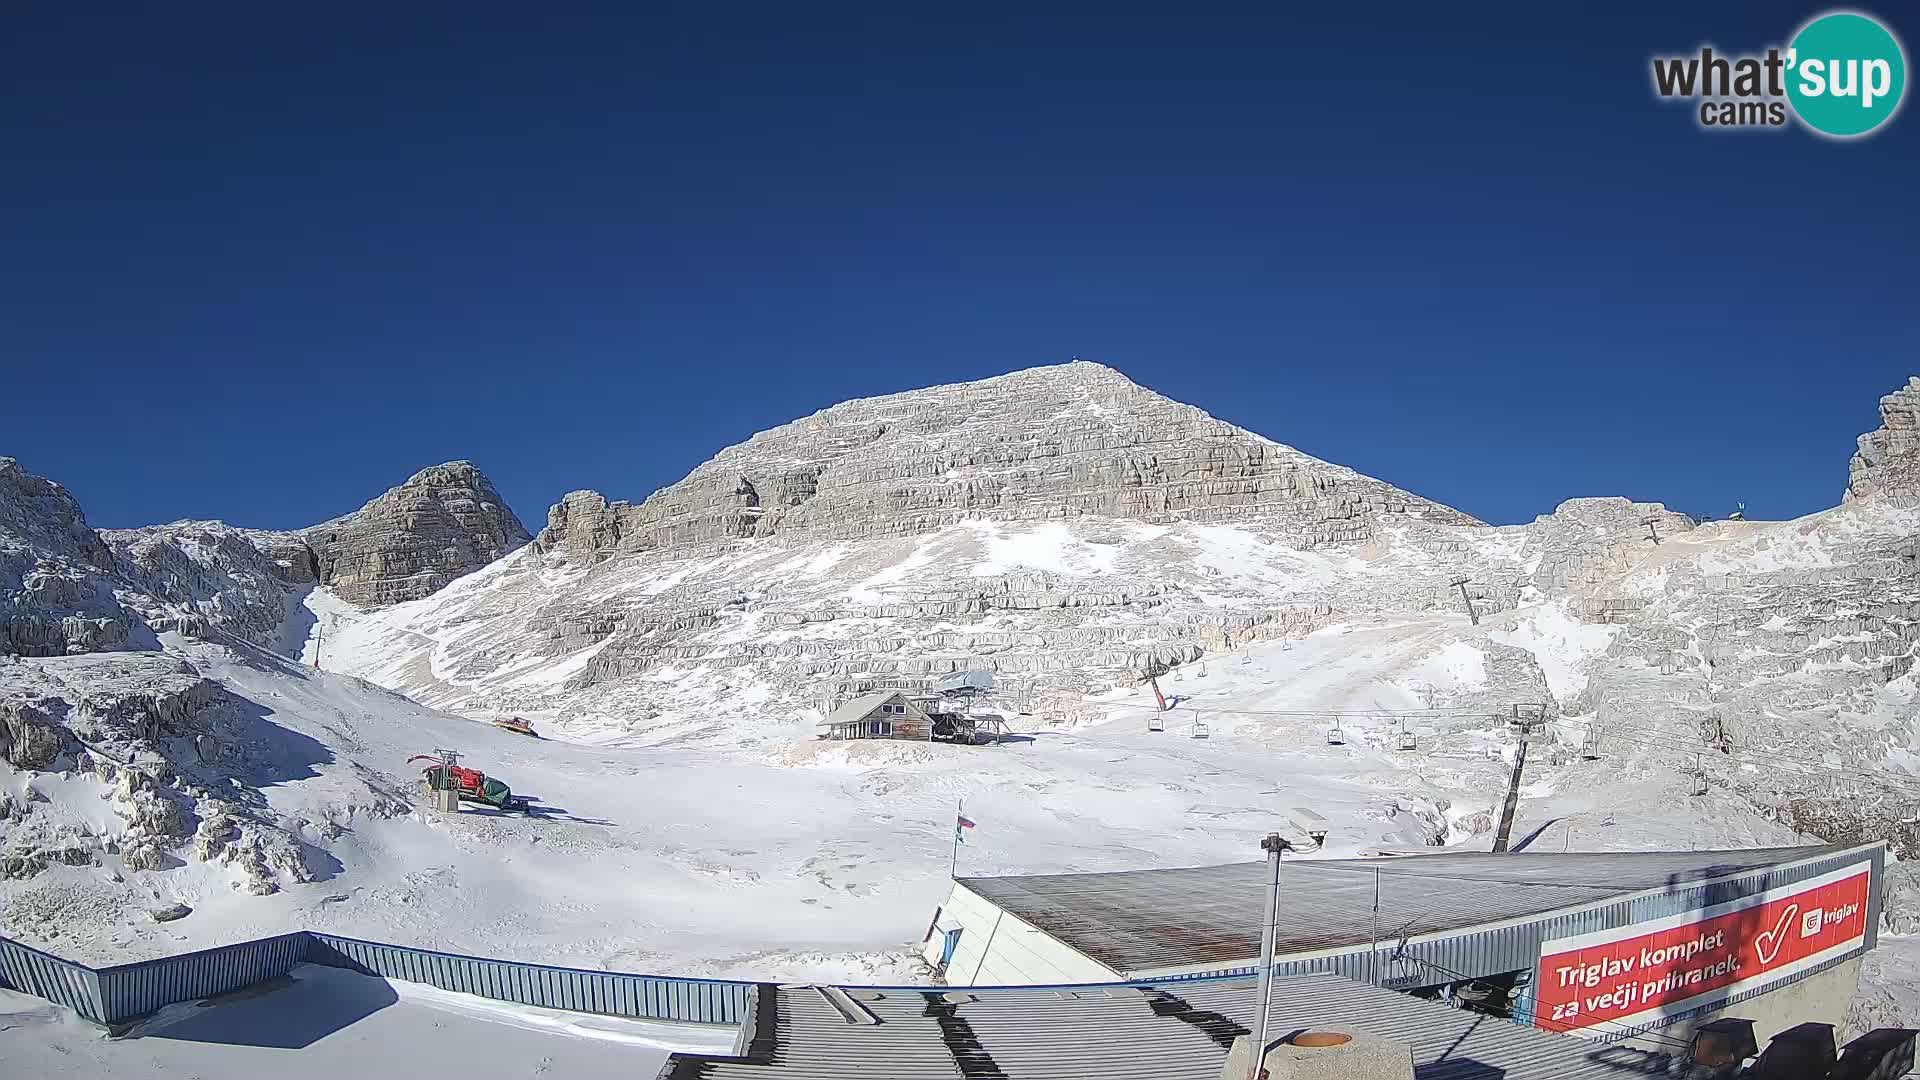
1325 1054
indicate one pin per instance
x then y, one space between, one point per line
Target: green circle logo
1845 74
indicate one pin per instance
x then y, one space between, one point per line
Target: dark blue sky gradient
262 264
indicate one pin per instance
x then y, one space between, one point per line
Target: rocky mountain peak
1887 464
33 507
52 597
1046 443
444 522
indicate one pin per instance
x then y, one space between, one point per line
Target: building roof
854 710
1142 921
1174 1031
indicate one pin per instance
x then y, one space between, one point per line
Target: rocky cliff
444 522
67 588
1887 464
1050 443
56 592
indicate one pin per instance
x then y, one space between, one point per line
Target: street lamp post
1274 845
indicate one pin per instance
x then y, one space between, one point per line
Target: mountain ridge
1043 443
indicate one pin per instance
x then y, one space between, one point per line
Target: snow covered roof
1145 922
1175 1031
855 709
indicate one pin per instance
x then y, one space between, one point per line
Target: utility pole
319 642
1653 531
1274 845
960 813
1523 725
1461 584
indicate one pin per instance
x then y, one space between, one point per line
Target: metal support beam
1523 724
1465 596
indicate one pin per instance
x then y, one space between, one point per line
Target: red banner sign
1636 974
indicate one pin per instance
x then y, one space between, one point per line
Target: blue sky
261 265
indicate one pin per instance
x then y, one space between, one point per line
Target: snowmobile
472 784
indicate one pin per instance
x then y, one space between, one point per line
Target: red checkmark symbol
1767 945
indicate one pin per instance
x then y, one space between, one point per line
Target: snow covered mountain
168 738
1061 527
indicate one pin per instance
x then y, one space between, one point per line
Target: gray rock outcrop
1887 464
444 522
56 594
1048 443
205 577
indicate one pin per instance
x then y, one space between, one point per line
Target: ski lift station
1672 936
941 715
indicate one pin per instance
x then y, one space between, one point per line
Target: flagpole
960 811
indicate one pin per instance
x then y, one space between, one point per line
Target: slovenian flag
961 823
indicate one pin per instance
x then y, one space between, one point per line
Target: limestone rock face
1586 541
55 595
1048 443
444 522
202 577
29 737
1887 465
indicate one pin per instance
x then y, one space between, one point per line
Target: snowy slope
812 859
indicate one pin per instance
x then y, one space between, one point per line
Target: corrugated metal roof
1145 920
1179 1031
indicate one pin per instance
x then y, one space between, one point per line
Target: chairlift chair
1406 739
1336 737
1699 778
1157 722
1199 728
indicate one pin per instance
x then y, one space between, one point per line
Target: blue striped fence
647 997
130 990
62 982
125 991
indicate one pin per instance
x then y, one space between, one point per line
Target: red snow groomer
443 772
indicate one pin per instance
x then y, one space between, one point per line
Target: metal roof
1150 920
856 709
1177 1031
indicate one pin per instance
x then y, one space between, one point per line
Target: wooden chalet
884 714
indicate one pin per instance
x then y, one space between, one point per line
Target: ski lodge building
884 714
1604 945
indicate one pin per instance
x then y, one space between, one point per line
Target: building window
880 729
897 709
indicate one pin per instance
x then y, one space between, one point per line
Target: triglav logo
1843 75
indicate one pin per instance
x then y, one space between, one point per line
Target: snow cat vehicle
471 784
517 725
